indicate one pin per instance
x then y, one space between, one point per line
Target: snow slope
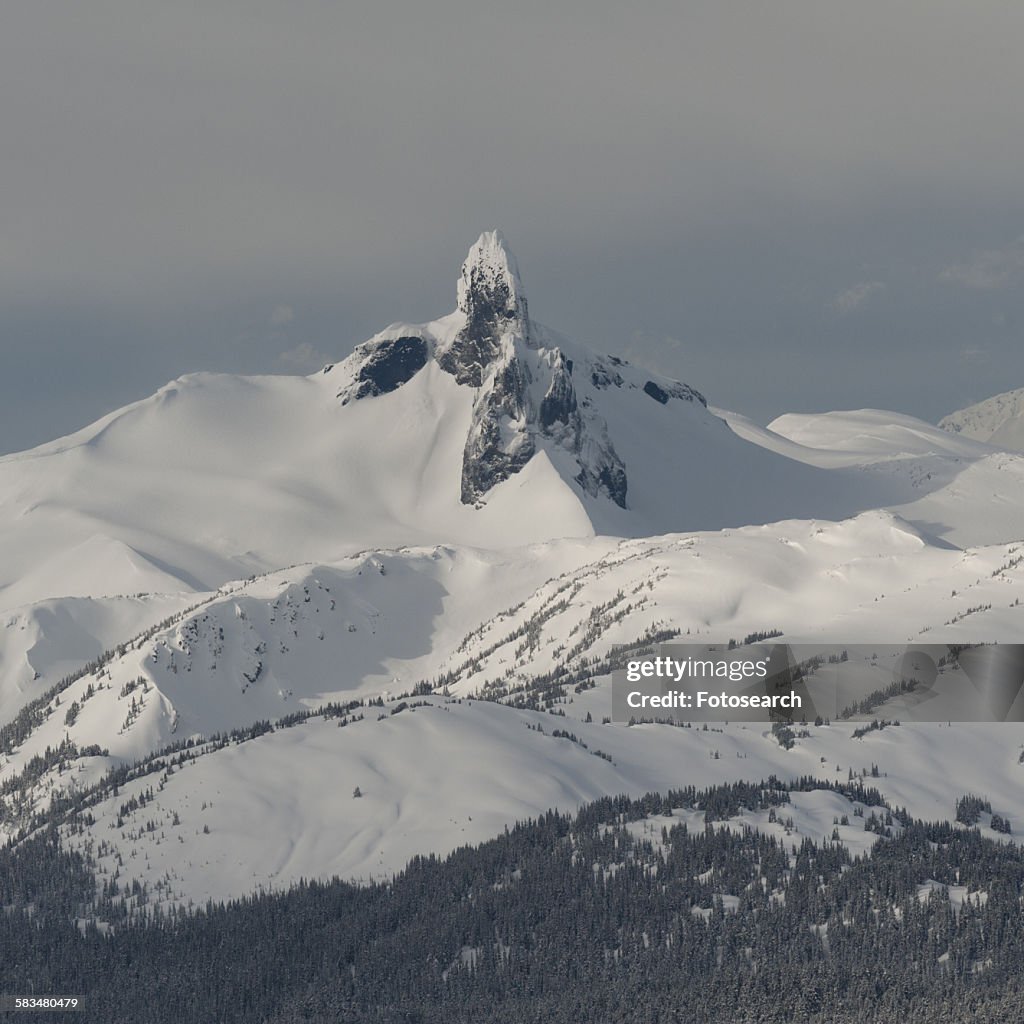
951 486
479 622
873 434
218 477
446 772
42 643
999 421
457 769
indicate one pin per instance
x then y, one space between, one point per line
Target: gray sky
789 205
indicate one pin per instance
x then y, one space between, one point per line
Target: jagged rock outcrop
386 365
672 389
490 296
559 405
529 392
499 442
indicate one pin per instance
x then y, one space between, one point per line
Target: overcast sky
789 205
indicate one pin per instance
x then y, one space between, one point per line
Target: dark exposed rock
472 352
612 478
601 377
686 393
560 418
559 403
485 464
527 397
609 478
652 389
674 390
490 295
388 365
491 455
505 430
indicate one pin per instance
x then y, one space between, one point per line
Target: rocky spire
490 282
491 296
526 395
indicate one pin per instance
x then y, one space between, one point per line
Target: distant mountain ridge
998 421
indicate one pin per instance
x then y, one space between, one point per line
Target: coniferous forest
566 918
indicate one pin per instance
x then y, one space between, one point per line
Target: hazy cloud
660 352
855 297
986 269
304 357
281 315
704 172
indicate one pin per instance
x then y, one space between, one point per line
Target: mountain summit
532 389
493 302
482 428
998 421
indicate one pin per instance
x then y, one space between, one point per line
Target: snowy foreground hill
231 607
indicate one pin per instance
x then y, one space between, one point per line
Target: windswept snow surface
216 477
872 434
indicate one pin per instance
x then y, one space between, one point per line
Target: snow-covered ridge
998 421
530 628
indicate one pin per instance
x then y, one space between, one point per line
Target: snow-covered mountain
427 632
458 523
999 421
480 428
